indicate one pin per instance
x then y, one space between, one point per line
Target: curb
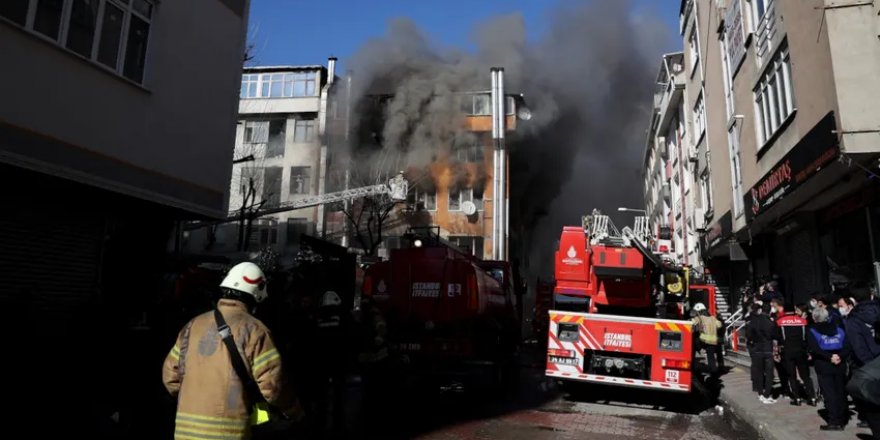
735 414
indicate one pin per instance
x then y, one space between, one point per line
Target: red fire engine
619 314
452 316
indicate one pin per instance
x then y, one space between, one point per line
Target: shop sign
818 148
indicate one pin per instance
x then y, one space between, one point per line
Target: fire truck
451 316
620 311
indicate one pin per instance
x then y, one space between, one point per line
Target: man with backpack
829 349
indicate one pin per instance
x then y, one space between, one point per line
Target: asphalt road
538 408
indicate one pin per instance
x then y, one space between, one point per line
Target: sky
294 32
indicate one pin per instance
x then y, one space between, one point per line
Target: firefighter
211 402
708 327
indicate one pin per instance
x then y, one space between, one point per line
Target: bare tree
255 185
370 218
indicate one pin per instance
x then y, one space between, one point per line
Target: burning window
472 153
458 197
272 186
423 200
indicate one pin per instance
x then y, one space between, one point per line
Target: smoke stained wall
588 82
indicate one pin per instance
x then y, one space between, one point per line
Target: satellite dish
469 208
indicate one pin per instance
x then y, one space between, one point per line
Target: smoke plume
588 83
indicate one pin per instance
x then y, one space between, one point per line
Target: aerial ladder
396 188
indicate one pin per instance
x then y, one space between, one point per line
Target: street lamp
622 209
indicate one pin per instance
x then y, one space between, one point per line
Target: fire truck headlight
609 363
417 243
619 363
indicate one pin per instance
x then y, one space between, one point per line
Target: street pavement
564 419
779 421
540 410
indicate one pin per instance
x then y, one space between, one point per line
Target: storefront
790 231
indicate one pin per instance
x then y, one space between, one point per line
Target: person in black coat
829 348
760 331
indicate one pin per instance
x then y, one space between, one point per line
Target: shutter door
50 262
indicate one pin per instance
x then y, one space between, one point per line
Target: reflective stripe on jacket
211 404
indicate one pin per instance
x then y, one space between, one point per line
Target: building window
275 145
304 130
759 8
264 233
694 49
272 186
279 85
728 78
299 180
735 169
93 29
256 132
774 101
423 200
472 153
458 197
476 105
471 245
699 118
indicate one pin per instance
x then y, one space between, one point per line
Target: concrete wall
170 140
855 59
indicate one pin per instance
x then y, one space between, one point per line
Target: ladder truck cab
620 312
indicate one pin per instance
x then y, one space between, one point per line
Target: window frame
62 40
774 98
286 81
306 123
699 118
307 181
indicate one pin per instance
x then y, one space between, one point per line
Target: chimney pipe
499 177
331 69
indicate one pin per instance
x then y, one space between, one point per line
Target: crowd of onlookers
836 333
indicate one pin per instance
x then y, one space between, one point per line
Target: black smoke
588 82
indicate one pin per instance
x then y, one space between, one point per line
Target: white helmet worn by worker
247 278
699 307
330 298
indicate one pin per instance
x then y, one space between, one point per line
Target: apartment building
281 157
671 199
454 191
117 120
788 93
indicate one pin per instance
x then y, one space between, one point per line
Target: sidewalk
779 421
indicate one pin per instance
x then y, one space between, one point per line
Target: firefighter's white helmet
699 307
247 278
330 298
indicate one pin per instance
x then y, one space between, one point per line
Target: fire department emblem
572 259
